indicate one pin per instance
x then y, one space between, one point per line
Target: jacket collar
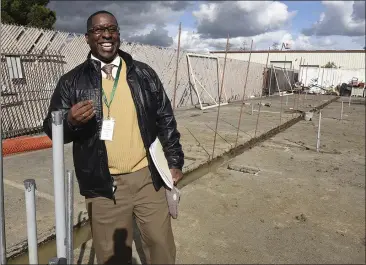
125 56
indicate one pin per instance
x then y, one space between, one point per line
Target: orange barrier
25 144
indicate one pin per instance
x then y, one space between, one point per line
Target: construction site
274 155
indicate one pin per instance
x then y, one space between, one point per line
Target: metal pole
70 217
318 137
220 95
245 87
252 108
342 111
176 68
59 181
30 186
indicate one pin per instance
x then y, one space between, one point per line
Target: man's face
103 37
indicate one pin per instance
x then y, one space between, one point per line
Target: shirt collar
115 62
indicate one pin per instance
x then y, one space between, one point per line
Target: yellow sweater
126 153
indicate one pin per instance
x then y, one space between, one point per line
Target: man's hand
81 113
176 174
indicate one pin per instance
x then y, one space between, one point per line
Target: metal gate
28 81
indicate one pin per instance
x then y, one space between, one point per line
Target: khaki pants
112 224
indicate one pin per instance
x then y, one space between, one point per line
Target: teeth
106 44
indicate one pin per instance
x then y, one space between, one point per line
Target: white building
345 59
350 64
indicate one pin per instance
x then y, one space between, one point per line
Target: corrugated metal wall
330 76
344 60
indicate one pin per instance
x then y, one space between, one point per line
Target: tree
330 65
244 46
32 13
275 46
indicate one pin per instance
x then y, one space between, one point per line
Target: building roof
295 51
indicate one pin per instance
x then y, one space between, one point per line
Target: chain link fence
32 61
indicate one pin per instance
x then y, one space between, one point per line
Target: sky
207 24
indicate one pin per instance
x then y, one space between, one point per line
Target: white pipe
70 217
318 137
2 211
59 181
342 111
30 186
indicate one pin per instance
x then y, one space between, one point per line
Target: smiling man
114 109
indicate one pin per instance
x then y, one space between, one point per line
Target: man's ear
87 38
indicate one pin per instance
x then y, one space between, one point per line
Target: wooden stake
176 68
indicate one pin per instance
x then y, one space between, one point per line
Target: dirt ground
289 204
281 201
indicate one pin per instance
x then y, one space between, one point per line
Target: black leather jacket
155 118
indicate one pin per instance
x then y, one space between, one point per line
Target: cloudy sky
206 24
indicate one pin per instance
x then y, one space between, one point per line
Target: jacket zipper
111 180
139 107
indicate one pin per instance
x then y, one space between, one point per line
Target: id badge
107 130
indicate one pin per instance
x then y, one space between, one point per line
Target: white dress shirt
116 62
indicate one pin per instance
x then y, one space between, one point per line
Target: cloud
240 18
344 18
192 41
134 17
156 37
264 22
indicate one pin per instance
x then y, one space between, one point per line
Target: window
14 67
282 64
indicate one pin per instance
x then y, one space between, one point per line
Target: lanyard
108 104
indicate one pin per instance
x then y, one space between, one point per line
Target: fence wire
43 56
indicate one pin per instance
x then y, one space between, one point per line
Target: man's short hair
90 18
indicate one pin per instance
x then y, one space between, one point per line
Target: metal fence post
30 187
70 217
59 181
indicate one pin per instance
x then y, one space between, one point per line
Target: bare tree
244 46
275 46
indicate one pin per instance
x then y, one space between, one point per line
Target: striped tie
108 70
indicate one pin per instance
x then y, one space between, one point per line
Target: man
114 108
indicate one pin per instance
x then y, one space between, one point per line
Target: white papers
161 164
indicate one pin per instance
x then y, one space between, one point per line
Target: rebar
220 95
245 87
176 67
260 99
281 96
